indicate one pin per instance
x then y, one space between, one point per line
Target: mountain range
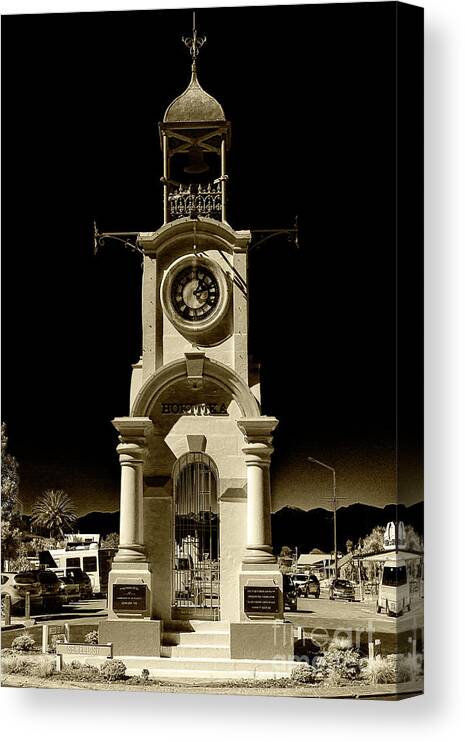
304 529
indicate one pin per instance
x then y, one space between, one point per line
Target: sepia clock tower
195 450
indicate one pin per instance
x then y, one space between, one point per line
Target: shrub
340 642
113 670
43 667
14 664
303 673
23 643
91 637
78 672
337 666
379 670
145 674
406 667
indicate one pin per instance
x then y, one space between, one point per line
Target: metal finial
194 43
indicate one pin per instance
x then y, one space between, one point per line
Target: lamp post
334 504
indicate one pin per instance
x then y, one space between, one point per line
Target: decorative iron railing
203 200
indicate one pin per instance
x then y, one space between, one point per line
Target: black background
311 94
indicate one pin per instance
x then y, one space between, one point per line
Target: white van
394 590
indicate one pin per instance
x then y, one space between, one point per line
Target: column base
260 605
130 591
129 553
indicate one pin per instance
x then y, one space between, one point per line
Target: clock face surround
195 292
196 295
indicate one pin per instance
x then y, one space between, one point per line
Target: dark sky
310 91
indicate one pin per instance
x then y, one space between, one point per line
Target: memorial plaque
90 650
130 598
260 599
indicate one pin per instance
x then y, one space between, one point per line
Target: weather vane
194 43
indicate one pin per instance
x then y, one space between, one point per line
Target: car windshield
394 576
342 583
25 578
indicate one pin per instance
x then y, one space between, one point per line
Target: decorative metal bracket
292 234
123 237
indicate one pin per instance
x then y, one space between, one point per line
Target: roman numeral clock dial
196 297
195 293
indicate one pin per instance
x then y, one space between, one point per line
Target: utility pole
333 500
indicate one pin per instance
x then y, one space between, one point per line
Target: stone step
191 625
209 651
190 638
208 667
197 667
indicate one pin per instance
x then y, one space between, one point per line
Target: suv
51 589
81 578
17 584
306 585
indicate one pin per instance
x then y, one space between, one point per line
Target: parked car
51 591
69 589
17 584
341 589
290 593
306 585
312 587
82 579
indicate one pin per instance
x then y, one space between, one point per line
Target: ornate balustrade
203 200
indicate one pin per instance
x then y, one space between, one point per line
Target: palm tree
55 511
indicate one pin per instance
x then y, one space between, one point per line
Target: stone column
131 456
258 436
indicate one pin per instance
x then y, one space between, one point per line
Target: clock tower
195 450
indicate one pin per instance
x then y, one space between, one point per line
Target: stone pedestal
269 640
132 637
124 603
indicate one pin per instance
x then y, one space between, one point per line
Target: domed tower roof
194 104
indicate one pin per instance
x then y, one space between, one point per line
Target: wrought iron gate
196 559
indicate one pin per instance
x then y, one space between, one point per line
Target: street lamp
334 504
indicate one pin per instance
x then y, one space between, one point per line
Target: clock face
194 293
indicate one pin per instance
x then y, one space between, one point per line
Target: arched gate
196 557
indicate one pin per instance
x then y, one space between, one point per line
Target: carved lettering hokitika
194 408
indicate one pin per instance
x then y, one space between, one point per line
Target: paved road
79 612
321 619
339 614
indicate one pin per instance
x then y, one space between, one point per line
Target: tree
11 535
374 541
54 511
349 545
110 542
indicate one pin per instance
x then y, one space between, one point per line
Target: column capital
258 429
258 454
132 429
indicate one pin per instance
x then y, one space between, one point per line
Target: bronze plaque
261 599
130 598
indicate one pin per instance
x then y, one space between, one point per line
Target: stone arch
205 368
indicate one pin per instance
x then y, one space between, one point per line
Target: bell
196 164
